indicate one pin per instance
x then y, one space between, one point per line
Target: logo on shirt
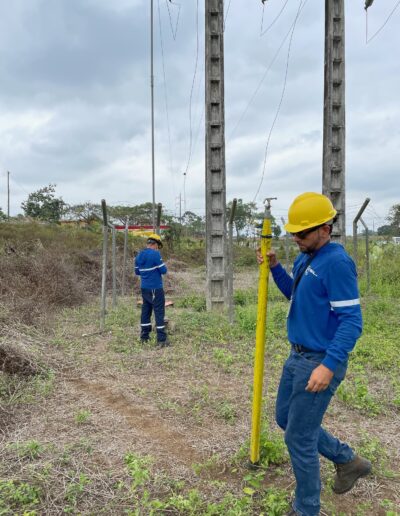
309 270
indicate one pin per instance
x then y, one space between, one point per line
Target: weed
223 358
275 501
17 496
138 469
227 411
354 392
82 416
75 489
245 297
28 450
247 318
272 448
196 303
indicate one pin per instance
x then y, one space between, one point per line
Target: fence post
366 253
114 272
230 261
104 266
159 209
286 247
365 203
125 256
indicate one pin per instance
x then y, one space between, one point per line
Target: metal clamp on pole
266 241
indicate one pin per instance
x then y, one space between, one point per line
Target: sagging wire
273 21
301 6
226 14
166 98
191 98
174 31
263 78
368 40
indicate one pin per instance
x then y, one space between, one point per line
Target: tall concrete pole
334 137
215 156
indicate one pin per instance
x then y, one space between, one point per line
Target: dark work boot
347 474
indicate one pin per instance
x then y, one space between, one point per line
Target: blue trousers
299 413
153 300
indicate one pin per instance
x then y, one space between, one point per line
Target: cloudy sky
75 101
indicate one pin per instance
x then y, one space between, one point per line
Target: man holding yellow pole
323 324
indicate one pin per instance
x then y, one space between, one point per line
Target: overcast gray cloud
75 102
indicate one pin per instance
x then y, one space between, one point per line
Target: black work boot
347 474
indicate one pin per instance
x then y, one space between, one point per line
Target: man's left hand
320 379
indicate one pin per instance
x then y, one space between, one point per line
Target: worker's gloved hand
320 379
273 260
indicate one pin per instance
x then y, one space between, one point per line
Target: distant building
396 240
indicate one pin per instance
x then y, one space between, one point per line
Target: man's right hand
273 260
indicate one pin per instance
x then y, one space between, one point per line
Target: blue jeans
299 413
153 300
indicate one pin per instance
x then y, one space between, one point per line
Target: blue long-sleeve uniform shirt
150 266
324 313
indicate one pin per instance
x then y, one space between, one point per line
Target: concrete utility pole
215 156
333 161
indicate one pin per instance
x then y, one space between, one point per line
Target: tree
86 212
194 223
43 205
394 218
244 215
385 230
3 216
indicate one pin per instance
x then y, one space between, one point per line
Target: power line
226 14
262 79
273 21
301 5
192 88
166 99
383 25
174 31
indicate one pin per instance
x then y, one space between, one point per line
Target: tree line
44 205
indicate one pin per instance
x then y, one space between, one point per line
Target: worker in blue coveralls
150 267
323 325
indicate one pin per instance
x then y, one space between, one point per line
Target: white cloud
75 102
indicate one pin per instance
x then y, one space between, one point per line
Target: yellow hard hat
308 210
154 238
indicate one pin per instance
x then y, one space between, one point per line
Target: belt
302 349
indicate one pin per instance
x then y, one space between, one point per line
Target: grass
122 428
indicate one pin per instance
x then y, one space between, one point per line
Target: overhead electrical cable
273 21
173 30
191 100
166 100
368 40
226 14
262 79
301 5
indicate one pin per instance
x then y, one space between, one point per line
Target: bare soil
166 403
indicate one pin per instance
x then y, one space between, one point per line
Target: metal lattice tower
215 156
334 139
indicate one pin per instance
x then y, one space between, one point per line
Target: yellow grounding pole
266 236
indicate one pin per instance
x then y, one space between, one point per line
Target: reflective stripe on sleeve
347 302
151 268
